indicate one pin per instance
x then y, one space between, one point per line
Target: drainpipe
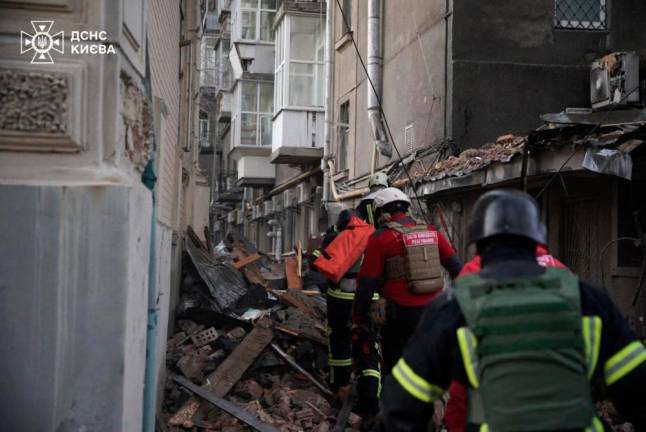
329 88
374 67
276 234
346 195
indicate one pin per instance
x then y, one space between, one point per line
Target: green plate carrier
524 352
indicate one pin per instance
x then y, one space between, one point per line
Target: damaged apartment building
269 141
547 96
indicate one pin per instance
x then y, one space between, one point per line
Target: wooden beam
225 405
291 271
229 372
246 260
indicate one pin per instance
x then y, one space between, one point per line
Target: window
344 136
257 19
256 105
208 74
299 74
581 14
347 11
204 133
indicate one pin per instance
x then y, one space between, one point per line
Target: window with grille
409 137
344 135
581 14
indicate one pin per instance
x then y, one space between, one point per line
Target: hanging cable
381 111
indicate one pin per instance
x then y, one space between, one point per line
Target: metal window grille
409 137
581 14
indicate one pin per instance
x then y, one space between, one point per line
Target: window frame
283 63
602 25
343 135
258 11
259 115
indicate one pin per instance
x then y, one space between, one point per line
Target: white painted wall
255 167
292 128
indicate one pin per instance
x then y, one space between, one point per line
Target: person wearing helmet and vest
339 299
403 263
366 208
528 340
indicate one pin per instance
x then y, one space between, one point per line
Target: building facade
99 178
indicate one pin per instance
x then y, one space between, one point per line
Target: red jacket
386 243
455 415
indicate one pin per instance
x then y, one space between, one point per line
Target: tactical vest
524 353
420 264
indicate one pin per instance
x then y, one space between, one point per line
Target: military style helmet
506 212
390 195
378 179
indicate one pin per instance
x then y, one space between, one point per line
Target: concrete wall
510 64
413 76
73 306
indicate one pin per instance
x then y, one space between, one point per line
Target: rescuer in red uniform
402 262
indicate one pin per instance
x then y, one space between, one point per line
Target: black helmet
344 218
506 212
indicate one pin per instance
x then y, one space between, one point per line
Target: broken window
630 199
344 136
581 14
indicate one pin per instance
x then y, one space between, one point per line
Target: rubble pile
247 353
505 148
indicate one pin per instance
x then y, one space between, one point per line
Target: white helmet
378 179
390 195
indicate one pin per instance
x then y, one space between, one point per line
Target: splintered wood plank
229 372
246 260
294 281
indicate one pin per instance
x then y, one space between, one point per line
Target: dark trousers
339 314
401 322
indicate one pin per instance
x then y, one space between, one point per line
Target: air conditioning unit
256 212
247 194
231 216
267 208
289 198
277 201
303 192
240 218
614 80
231 183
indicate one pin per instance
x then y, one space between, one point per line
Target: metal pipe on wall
329 86
375 73
346 195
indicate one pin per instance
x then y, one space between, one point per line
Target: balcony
226 189
297 137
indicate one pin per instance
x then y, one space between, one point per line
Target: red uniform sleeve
455 416
373 257
446 249
471 266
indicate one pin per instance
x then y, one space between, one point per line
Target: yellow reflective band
591 326
339 362
316 253
622 363
343 295
484 427
468 343
414 384
371 372
596 426
371 218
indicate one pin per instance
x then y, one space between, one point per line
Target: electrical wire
381 111
603 252
593 130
